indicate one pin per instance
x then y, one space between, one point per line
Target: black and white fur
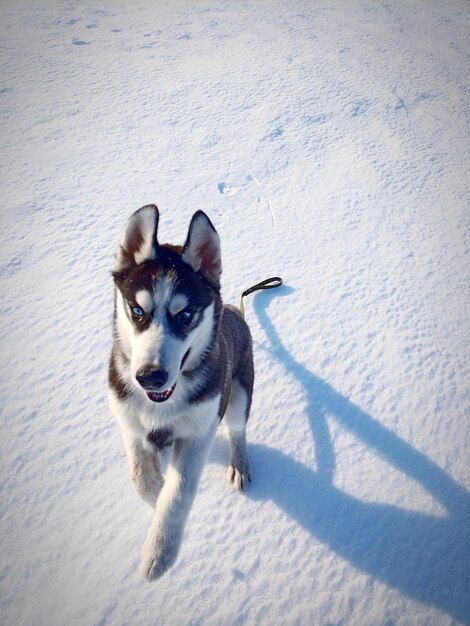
179 358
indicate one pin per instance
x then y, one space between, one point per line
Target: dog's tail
268 283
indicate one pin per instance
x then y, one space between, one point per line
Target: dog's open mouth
160 396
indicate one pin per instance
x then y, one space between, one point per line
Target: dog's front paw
158 555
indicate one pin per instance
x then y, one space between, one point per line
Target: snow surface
329 143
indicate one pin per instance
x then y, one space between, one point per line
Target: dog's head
167 300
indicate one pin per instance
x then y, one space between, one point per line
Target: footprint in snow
321 118
425 96
239 575
277 132
359 108
227 190
80 42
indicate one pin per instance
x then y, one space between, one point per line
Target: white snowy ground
329 143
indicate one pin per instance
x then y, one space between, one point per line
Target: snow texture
328 141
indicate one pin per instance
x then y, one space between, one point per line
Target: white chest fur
140 416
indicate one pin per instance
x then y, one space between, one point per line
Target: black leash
269 283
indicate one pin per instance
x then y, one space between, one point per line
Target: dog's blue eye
185 315
138 312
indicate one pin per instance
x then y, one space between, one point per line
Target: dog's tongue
157 396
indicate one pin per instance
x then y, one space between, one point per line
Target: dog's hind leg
236 415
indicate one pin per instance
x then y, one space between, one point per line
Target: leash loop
268 283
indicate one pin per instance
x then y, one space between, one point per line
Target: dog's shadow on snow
422 556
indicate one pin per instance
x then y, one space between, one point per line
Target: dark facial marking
114 379
186 281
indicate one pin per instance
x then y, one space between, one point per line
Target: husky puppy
180 360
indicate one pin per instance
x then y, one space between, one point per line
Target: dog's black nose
151 379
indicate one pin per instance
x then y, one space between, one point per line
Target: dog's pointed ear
138 240
202 249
